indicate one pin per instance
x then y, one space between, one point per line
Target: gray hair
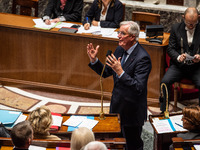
95 145
133 29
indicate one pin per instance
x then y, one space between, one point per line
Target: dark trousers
132 134
175 74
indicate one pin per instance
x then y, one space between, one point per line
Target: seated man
22 135
184 38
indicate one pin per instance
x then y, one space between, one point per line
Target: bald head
191 17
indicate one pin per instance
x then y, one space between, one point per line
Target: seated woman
81 137
41 121
104 13
63 10
191 122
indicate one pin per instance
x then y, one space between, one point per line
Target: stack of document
9 118
39 23
80 121
174 123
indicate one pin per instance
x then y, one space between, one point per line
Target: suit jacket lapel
131 58
183 34
196 39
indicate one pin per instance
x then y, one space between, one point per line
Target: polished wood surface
107 128
181 144
115 143
145 18
35 57
162 141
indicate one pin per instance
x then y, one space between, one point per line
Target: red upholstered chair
184 86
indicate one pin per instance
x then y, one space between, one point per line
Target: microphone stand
101 115
166 112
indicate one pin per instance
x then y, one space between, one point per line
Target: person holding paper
22 135
41 121
63 10
184 40
104 13
130 66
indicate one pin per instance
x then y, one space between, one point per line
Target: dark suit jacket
129 95
72 10
174 48
113 18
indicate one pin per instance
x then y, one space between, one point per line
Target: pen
87 19
178 125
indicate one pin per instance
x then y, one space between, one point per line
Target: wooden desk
162 141
40 58
105 129
6 143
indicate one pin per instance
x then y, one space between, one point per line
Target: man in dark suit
129 95
184 38
63 10
22 135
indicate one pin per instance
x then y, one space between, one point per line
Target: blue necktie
124 58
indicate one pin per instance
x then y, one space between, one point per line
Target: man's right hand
86 26
182 57
92 53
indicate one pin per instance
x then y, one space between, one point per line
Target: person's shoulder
118 2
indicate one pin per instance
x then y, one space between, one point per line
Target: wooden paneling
175 2
34 57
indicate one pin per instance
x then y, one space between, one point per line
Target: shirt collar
130 50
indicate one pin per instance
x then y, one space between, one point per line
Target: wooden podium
162 141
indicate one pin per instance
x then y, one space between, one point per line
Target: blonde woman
41 121
81 137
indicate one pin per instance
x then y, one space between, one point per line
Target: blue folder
8 117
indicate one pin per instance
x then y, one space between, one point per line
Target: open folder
8 117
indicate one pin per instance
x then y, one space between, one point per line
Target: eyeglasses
121 33
191 24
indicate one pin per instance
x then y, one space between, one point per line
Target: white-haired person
95 145
81 137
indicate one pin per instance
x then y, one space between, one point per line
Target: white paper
177 119
39 23
142 35
188 57
20 119
57 120
197 147
74 121
64 24
92 29
162 126
33 147
88 123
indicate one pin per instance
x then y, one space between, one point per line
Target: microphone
101 115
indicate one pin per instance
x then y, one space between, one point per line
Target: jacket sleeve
76 12
91 13
174 45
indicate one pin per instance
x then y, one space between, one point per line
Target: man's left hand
196 58
114 64
95 23
56 20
